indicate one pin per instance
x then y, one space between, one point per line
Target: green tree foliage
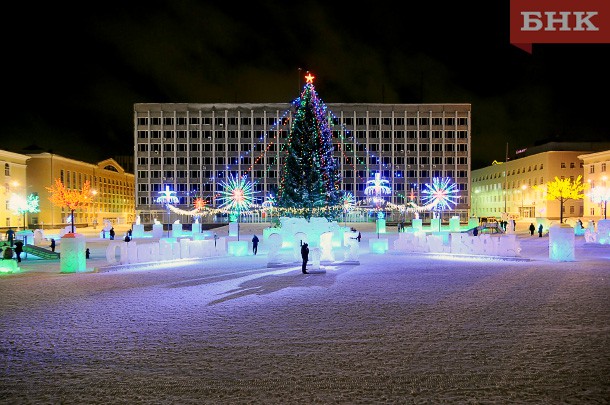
563 190
310 180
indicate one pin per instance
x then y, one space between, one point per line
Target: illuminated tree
563 190
22 206
71 199
310 177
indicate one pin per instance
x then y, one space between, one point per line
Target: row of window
563 165
235 147
360 134
272 174
592 168
272 160
271 121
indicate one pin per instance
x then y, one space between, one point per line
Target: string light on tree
310 178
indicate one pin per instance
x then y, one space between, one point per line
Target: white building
191 147
596 175
506 189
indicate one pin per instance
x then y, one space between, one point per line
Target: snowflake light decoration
377 187
441 194
237 194
199 204
167 197
348 201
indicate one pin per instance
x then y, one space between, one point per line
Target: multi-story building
506 189
596 174
190 148
112 190
13 184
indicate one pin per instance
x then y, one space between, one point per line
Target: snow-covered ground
397 328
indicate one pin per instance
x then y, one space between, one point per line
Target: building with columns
112 190
596 174
506 189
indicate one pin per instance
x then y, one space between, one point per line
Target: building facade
13 185
596 174
112 190
191 148
506 189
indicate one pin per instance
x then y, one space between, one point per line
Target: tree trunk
72 219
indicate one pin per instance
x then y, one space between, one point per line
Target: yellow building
597 176
505 190
112 190
13 185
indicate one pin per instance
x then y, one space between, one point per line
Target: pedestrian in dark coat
532 229
540 231
305 256
111 233
52 245
255 244
18 249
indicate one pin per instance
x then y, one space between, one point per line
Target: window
603 168
424 121
462 121
592 169
142 121
437 121
399 121
7 169
563 165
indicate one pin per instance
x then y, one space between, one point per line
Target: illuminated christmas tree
310 180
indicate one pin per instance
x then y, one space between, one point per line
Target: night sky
73 73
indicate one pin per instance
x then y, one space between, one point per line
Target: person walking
10 236
52 245
540 231
359 236
305 256
112 233
255 244
532 229
18 249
